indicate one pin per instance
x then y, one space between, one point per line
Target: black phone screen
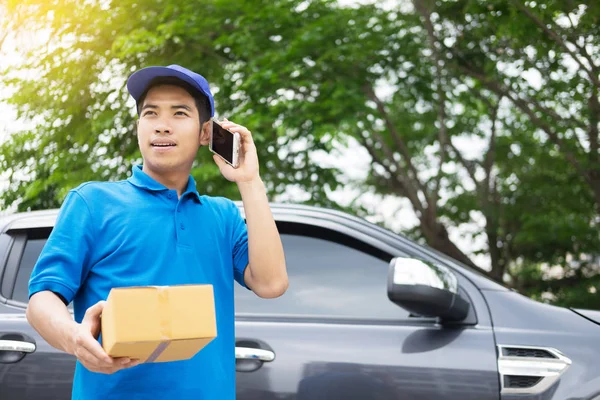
222 142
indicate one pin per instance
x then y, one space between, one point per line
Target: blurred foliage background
479 116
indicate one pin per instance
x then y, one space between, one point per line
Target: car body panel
45 374
592 315
320 360
520 321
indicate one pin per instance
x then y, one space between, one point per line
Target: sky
354 160
8 114
10 57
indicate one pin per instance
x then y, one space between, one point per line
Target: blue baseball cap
138 81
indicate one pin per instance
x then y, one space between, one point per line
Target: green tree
409 84
541 59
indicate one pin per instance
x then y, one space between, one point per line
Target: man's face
169 132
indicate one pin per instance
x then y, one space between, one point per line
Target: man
156 229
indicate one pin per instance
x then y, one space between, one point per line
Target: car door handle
17 345
249 353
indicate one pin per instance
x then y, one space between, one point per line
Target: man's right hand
87 349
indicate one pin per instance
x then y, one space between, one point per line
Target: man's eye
148 113
181 113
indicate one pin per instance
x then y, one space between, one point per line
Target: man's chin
165 166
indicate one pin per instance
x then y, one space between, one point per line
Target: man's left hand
247 170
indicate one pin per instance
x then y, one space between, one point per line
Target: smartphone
225 144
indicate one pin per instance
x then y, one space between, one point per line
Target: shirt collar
191 188
144 181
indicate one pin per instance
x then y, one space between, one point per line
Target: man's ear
205 133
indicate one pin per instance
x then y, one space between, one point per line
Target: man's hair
201 101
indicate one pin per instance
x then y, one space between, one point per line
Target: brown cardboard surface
158 323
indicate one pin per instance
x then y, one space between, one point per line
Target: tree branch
583 49
557 39
490 156
468 164
570 121
3 36
571 22
396 184
491 205
443 139
441 115
398 141
500 89
522 105
434 232
588 57
594 107
406 187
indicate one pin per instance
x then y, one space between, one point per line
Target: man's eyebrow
184 106
149 106
173 107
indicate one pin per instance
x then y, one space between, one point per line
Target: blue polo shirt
138 232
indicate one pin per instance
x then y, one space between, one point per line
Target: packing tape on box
164 318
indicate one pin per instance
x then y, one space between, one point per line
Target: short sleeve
239 242
64 261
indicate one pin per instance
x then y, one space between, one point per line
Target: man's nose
162 128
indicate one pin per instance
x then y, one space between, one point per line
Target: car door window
329 280
31 253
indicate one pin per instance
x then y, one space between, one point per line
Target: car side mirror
426 289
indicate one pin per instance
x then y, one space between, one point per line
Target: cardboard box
158 323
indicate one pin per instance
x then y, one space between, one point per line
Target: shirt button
170 195
182 226
178 210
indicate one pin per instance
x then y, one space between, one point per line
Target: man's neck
176 180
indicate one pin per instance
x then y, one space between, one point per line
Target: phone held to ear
225 144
